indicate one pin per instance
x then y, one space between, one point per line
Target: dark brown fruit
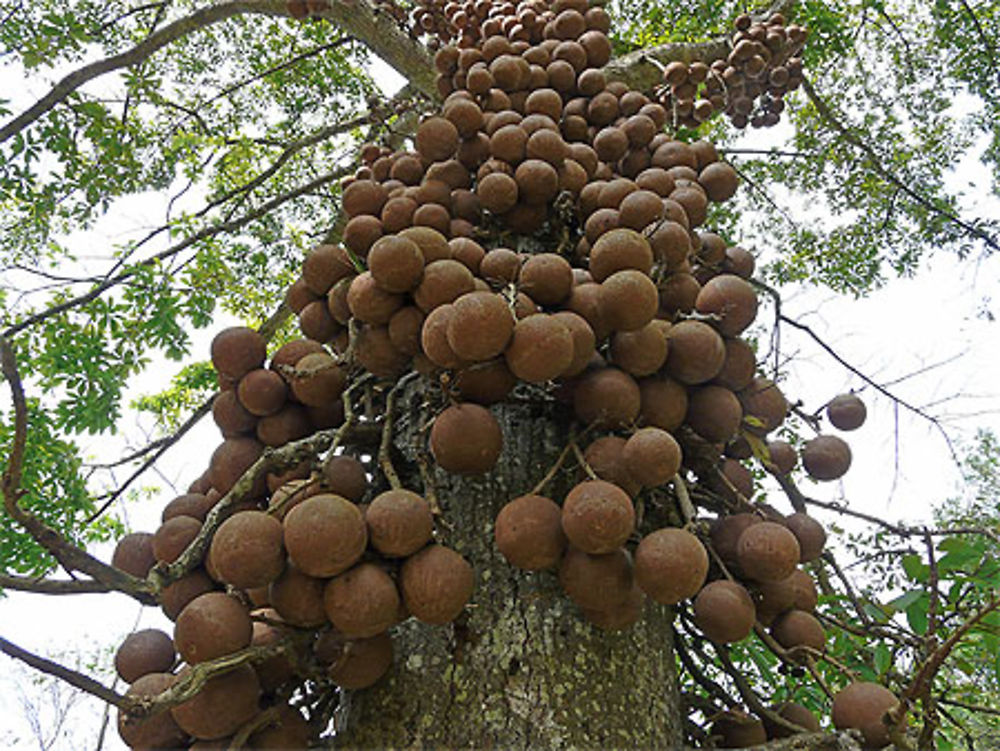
724 611
606 398
617 250
222 706
620 616
732 299
466 439
783 456
362 601
767 551
670 243
714 413
597 516
480 326
434 337
498 192
230 416
651 456
541 349
325 266
862 706
173 536
262 392
231 459
797 628
432 243
726 532
719 180
376 353
630 299
529 534
846 412
797 715
289 730
537 181
238 350
247 550
400 522
404 329
318 380
176 595
641 352
663 402
134 554
485 382
212 625
298 598
547 278
809 533
604 457
444 281
345 476
738 367
437 139
736 729
157 731
436 583
396 263
763 400
671 565
359 663
597 582
826 457
147 651
324 535
696 352
364 197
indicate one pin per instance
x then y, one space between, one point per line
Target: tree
267 119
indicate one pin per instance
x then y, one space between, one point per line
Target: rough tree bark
521 669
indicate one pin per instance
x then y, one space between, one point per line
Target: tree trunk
521 668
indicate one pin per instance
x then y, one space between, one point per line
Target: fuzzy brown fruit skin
797 628
651 457
212 625
298 598
846 412
733 299
359 663
324 535
222 706
400 522
247 550
696 352
606 398
142 652
466 439
362 601
540 350
157 731
726 532
794 713
826 457
737 729
768 552
597 517
724 611
436 584
528 532
480 327
670 565
809 533
238 350
597 582
861 706
134 554
763 400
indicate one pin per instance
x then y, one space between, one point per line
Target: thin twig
72 677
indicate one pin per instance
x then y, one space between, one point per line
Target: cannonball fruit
862 706
671 565
529 533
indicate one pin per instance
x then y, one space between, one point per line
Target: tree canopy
243 117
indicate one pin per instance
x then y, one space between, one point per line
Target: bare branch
53 586
79 680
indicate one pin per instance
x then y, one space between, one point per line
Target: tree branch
72 677
53 586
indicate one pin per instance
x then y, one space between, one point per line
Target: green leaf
916 614
904 601
915 568
883 658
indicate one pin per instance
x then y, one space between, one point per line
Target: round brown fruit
238 350
157 731
298 598
736 729
212 625
400 522
147 651
345 476
223 705
767 551
797 628
763 401
732 299
696 352
724 611
846 412
597 516
362 601
618 250
630 300
862 706
437 139
671 565
247 550
606 398
436 583
541 349
134 554
396 263
651 457
663 402
359 663
466 439
782 457
480 326
547 278
719 180
529 534
809 533
324 535
794 713
714 413
597 582
826 457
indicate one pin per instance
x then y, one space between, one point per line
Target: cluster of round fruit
299 553
749 84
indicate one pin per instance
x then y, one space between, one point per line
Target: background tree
260 119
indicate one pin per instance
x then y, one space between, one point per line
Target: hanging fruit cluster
544 233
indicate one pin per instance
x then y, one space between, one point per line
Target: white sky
908 325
